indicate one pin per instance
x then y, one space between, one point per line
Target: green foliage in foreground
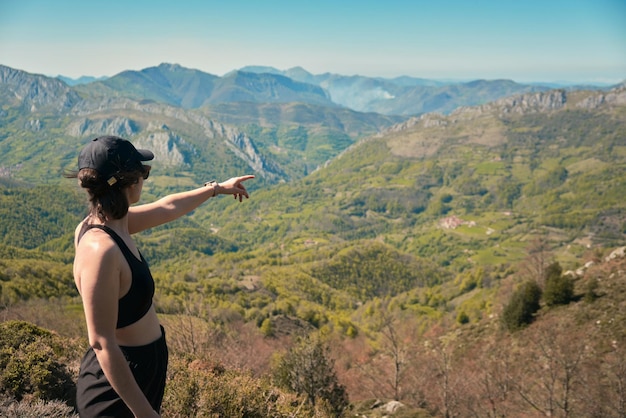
33 362
201 389
35 380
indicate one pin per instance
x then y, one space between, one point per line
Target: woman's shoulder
80 230
90 239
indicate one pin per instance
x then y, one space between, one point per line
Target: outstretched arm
175 205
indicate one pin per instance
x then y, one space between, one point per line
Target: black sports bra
137 302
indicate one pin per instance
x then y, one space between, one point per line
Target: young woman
123 372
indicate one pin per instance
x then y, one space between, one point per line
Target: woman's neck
118 225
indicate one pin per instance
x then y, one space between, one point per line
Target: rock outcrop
36 92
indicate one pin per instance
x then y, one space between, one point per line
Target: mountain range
176 85
389 96
540 149
282 124
402 238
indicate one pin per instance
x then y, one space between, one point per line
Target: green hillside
472 189
402 252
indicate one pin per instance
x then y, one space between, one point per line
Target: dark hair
106 201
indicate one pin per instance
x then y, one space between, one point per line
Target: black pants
96 398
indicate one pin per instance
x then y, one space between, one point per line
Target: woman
123 372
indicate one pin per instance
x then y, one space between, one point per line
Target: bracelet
214 184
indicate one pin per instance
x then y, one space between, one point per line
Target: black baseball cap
110 155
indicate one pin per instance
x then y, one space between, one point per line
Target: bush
462 318
267 327
559 290
202 389
522 306
10 408
591 290
31 363
307 370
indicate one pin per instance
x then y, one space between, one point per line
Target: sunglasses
146 171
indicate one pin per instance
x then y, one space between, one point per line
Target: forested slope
402 253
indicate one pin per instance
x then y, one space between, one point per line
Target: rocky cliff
35 92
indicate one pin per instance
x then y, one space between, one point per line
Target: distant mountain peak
260 69
169 66
80 80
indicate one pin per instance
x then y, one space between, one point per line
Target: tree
445 381
462 318
508 192
201 388
394 346
559 289
522 306
488 373
536 261
306 369
550 379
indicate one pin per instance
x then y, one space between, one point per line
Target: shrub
462 318
34 408
591 290
201 389
31 363
522 306
307 370
267 327
559 291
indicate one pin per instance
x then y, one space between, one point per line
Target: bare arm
175 205
98 275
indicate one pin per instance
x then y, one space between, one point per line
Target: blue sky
523 40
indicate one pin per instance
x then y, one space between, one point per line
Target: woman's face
134 191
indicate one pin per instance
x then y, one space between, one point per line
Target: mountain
403 95
266 88
166 83
473 188
537 150
369 174
291 134
80 80
178 86
299 136
406 213
30 92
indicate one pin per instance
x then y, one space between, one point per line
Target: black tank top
137 302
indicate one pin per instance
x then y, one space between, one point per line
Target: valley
399 240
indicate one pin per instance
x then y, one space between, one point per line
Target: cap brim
146 155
